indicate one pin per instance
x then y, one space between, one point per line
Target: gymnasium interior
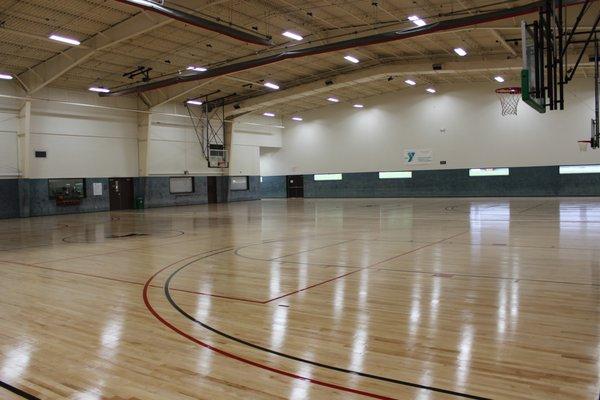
303 200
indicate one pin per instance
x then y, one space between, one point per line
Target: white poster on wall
97 187
416 157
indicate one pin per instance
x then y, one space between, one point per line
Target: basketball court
299 200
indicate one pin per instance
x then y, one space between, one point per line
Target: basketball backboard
532 74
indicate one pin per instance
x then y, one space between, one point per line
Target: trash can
139 203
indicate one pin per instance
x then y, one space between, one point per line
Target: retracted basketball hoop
583 144
509 99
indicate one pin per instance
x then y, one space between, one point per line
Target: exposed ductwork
190 76
200 22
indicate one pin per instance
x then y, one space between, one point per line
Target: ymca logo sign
413 157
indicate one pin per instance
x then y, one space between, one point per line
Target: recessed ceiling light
268 114
292 35
410 82
499 79
333 99
195 102
6 76
63 39
197 69
271 85
416 20
99 89
430 90
460 51
358 106
297 119
352 59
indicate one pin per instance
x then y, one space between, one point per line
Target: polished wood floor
314 299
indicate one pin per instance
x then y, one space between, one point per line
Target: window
238 183
180 185
395 175
328 177
488 172
579 169
66 188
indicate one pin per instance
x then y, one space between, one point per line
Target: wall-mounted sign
97 188
414 157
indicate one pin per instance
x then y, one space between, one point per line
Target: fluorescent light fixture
416 20
99 89
63 39
489 172
5 76
297 119
460 51
352 59
410 82
197 69
499 79
579 169
268 114
395 175
271 85
292 35
327 177
430 90
333 99
195 102
358 106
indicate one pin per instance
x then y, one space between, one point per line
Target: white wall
83 141
339 138
174 147
9 121
250 135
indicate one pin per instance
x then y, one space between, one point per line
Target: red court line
239 358
367 267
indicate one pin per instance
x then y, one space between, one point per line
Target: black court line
167 292
18 391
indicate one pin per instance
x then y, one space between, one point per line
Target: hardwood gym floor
314 299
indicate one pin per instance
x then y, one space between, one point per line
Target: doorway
295 186
120 193
211 189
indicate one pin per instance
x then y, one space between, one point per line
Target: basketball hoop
509 99
583 144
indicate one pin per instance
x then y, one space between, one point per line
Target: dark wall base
525 181
41 204
273 187
29 197
9 198
156 192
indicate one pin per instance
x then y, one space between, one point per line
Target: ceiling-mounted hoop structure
583 144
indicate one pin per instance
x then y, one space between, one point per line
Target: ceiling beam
48 71
367 75
165 95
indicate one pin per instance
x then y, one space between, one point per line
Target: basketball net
509 99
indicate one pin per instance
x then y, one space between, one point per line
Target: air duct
331 47
199 22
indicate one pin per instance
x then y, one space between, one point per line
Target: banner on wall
415 157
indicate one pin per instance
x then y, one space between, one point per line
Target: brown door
295 186
120 193
211 188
